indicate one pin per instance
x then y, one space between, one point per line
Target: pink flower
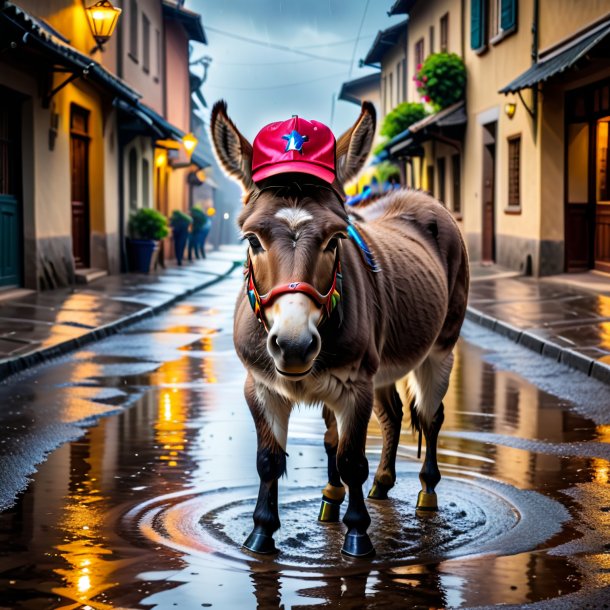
426 98
419 66
425 79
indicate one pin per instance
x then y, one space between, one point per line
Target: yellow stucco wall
560 19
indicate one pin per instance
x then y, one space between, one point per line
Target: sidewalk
44 325
566 317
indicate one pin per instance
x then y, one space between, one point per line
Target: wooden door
601 257
79 159
10 193
488 253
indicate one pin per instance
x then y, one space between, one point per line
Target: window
384 95
419 54
440 168
133 30
398 84
490 21
158 54
455 177
404 79
391 91
145 43
493 22
431 39
514 169
445 33
430 178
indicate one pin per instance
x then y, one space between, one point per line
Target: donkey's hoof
357 545
330 510
259 542
426 502
379 491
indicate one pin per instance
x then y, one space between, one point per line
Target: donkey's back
423 281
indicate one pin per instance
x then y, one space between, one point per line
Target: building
79 127
432 149
522 160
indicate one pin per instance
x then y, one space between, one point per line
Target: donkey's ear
354 145
233 150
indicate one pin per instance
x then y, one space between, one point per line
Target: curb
21 363
575 360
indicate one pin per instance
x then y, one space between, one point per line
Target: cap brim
301 167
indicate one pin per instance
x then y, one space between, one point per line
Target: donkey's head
293 218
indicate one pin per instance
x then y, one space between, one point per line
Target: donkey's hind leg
428 383
388 409
334 492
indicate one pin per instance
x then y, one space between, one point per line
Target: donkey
338 311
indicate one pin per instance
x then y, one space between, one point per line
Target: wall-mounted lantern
189 141
509 109
102 18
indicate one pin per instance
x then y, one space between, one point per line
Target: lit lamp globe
211 212
189 141
102 18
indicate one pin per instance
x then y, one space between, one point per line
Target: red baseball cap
295 145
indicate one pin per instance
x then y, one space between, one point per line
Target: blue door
10 187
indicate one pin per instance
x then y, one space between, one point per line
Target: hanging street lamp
102 17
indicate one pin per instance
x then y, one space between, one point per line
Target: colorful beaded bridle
328 302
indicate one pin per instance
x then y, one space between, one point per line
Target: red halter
328 301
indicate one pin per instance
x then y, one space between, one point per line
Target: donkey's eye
331 246
255 243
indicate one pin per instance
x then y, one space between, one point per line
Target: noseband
328 302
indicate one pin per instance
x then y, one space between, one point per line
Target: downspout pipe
535 26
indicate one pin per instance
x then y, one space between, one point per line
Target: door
79 159
10 187
601 258
587 187
488 253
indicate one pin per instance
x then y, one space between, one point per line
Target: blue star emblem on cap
295 141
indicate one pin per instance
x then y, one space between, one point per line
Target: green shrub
180 220
200 218
441 79
147 223
401 118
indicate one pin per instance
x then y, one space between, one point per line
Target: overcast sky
263 84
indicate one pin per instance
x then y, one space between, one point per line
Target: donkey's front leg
352 420
334 492
270 413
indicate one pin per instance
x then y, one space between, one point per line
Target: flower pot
180 238
140 254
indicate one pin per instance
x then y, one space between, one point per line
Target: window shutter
477 24
508 18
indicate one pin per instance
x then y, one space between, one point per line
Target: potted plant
201 227
146 227
441 80
180 223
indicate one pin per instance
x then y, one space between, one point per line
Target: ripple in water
476 516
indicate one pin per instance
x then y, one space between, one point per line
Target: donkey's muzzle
293 355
